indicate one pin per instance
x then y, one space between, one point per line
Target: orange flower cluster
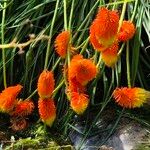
103 30
17 109
131 97
45 86
62 43
80 72
104 34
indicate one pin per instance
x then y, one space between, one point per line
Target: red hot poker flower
83 70
8 98
23 108
110 55
127 31
45 84
131 97
62 42
79 102
103 30
47 111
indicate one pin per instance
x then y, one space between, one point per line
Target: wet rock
128 136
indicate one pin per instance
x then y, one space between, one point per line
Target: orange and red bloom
45 84
103 31
47 111
80 72
131 97
127 31
81 69
62 43
8 98
110 55
23 108
79 102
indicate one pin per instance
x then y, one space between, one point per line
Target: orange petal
7 103
103 30
23 108
127 31
12 91
131 97
47 111
83 70
110 55
79 102
61 43
46 84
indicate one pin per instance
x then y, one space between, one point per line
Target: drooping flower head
47 111
79 102
130 97
127 31
8 98
23 108
110 55
83 70
61 43
12 91
7 103
103 30
45 84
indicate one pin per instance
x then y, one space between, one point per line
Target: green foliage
48 17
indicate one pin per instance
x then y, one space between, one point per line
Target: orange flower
12 91
7 103
127 31
83 70
47 111
110 55
23 108
46 84
8 98
62 42
131 97
79 102
104 29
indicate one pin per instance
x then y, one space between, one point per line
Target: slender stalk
128 65
122 14
65 15
88 15
71 13
50 34
99 61
134 11
3 50
32 94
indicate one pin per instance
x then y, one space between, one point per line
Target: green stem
88 15
128 65
85 45
134 11
57 88
65 15
3 50
121 49
99 61
122 14
32 94
71 13
50 34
